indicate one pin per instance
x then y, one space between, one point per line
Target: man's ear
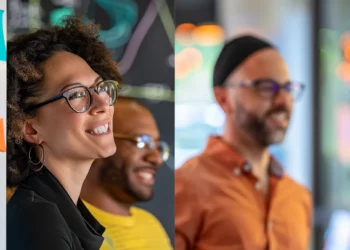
30 134
222 98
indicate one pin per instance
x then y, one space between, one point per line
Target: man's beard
115 175
256 127
131 190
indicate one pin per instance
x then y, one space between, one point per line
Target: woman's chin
108 151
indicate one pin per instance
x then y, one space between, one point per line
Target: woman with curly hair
61 85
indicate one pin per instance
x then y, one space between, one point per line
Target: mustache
278 110
135 169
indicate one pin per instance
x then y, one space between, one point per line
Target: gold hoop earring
42 158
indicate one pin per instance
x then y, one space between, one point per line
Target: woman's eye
77 94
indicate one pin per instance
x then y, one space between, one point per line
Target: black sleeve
39 226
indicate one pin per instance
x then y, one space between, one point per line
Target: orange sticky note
2 136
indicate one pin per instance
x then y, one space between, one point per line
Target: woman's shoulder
27 209
28 201
32 219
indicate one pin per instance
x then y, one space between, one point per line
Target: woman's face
65 134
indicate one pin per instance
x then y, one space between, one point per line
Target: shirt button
237 171
258 186
247 168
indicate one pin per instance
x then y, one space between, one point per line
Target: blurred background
3 36
314 38
141 36
312 35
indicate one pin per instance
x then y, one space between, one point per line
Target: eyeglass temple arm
125 137
47 102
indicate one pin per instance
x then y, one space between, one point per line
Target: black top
42 216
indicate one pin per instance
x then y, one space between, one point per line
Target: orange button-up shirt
220 205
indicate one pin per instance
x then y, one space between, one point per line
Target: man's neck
256 155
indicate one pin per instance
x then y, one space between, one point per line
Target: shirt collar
78 217
229 157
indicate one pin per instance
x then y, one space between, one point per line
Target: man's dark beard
128 188
254 126
114 174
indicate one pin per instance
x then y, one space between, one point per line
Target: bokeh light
183 34
208 35
187 61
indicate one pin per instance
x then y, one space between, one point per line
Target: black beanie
233 54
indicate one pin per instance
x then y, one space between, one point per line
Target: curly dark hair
25 57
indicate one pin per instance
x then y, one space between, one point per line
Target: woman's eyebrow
98 78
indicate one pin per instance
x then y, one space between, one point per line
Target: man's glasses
146 141
269 88
79 98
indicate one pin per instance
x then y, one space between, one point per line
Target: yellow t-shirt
140 231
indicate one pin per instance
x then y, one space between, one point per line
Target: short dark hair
25 55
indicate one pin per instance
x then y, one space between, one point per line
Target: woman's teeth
100 129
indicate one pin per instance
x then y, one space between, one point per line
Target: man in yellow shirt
114 184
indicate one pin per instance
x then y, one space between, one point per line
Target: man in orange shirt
235 195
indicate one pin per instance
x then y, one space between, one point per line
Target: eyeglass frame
65 93
136 138
253 84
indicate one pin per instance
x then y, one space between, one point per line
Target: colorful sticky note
2 136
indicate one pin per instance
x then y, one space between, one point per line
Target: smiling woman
62 85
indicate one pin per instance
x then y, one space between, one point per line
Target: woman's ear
30 134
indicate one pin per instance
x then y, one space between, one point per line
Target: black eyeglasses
147 141
269 88
79 98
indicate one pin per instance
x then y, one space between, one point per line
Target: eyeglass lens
147 141
269 88
79 98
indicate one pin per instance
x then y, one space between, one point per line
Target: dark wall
195 11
